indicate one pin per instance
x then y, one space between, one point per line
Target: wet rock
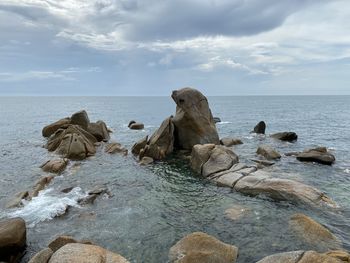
53 127
291 153
193 121
341 255
17 200
318 155
268 152
228 142
60 241
314 257
216 119
80 118
99 130
200 247
40 185
229 178
313 233
55 166
67 190
236 212
263 162
146 160
200 155
90 199
42 256
131 123
285 136
137 126
83 253
138 146
98 190
115 147
12 239
260 128
285 257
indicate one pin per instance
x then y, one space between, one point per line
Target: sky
151 47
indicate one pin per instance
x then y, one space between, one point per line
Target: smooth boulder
268 152
80 118
285 136
53 127
42 256
228 142
194 123
260 128
138 146
99 130
137 126
201 247
318 155
54 166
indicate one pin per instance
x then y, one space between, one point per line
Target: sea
152 207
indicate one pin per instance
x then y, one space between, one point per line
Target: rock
138 146
83 253
53 127
291 153
314 257
12 239
161 142
341 255
313 233
40 185
90 199
60 241
131 123
99 130
230 141
208 159
137 126
260 128
281 189
98 190
236 212
115 147
200 247
230 177
146 160
285 136
193 121
318 155
67 190
42 256
268 152
17 200
80 118
285 257
263 162
216 119
54 166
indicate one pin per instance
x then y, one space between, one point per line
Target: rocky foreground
191 133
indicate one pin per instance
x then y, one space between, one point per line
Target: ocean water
153 207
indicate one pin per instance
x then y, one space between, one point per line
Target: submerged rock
318 155
268 152
260 128
236 212
200 247
146 160
285 136
194 123
115 147
228 142
54 166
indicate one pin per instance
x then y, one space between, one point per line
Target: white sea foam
347 171
223 122
47 205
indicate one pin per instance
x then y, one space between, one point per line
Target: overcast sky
150 47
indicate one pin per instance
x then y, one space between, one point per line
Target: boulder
131 123
268 152
17 200
40 185
138 146
342 255
146 160
216 119
60 241
80 118
317 155
313 233
99 130
54 166
260 128
200 155
137 126
229 178
285 136
83 253
42 256
193 121
115 147
12 239
200 247
228 142
53 127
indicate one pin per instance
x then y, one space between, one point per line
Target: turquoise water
153 207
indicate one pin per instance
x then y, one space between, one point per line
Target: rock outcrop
200 247
99 130
268 152
285 136
317 155
260 128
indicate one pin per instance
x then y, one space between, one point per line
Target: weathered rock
54 166
314 257
341 255
286 257
161 142
313 233
200 247
216 119
80 118
60 241
268 152
193 121
99 130
53 127
137 126
90 199
263 162
200 155
228 142
138 146
236 212
82 253
285 136
146 160
98 190
42 256
318 155
12 239
229 178
260 128
17 200
40 185
115 147
291 153
281 189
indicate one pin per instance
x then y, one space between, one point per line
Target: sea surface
152 207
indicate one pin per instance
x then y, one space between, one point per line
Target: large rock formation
200 247
317 155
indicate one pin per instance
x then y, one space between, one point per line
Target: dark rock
285 136
268 152
131 123
90 199
53 127
99 130
216 119
80 118
318 155
137 126
228 142
260 128
67 190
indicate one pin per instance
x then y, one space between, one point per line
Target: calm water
153 207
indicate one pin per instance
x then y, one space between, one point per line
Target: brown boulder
60 241
318 155
285 136
136 126
228 142
42 256
53 127
138 146
99 130
268 152
193 121
40 185
200 247
80 118
115 147
54 166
